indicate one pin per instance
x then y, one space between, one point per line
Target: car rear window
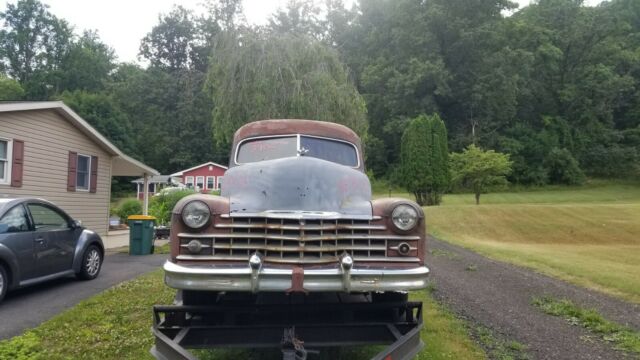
271 148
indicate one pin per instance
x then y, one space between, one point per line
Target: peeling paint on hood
298 185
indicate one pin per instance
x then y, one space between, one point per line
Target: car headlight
404 217
196 214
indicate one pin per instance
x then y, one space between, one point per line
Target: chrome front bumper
270 279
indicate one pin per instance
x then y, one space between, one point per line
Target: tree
87 65
563 168
33 43
479 171
102 113
167 110
10 90
256 76
298 17
424 155
170 43
225 14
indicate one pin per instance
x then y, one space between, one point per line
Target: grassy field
116 324
587 235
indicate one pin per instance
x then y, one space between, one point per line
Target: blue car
40 242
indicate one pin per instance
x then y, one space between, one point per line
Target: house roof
179 173
122 164
158 179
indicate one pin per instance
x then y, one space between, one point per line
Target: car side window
15 220
46 218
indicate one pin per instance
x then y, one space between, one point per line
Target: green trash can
141 234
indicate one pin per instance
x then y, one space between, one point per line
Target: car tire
91 263
4 282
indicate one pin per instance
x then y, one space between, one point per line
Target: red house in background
204 178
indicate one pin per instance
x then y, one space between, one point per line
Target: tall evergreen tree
424 159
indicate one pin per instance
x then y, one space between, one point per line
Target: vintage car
40 242
295 214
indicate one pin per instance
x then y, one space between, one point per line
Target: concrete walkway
116 239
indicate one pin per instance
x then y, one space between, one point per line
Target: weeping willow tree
269 76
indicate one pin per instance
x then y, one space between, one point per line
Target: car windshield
271 148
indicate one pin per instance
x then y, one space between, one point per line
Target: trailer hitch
293 348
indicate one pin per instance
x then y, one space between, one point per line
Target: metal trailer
298 324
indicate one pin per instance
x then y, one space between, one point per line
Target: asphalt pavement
26 308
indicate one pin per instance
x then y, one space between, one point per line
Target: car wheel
4 282
91 263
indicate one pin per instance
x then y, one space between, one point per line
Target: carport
123 165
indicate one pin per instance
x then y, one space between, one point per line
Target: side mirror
77 223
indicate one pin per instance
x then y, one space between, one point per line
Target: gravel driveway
27 308
498 296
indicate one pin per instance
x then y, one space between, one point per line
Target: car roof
296 126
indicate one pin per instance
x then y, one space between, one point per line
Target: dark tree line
554 80
556 84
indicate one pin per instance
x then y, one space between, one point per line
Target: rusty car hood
297 187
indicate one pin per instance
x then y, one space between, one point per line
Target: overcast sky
122 23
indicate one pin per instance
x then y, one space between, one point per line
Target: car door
16 234
54 239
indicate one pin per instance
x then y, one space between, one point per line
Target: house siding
48 138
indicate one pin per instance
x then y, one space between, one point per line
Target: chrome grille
295 241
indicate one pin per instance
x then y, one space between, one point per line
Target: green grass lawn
116 324
587 235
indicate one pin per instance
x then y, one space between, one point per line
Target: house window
219 182
83 172
211 182
189 182
5 161
200 182
152 187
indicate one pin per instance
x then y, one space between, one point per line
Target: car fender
9 258
86 238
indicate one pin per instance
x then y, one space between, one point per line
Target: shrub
563 168
129 207
161 205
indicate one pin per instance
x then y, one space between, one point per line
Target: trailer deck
298 324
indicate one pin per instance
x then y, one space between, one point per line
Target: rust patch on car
297 281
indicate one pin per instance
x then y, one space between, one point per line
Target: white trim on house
218 182
88 172
200 180
180 173
213 183
187 182
7 171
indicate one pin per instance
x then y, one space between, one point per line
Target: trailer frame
298 324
